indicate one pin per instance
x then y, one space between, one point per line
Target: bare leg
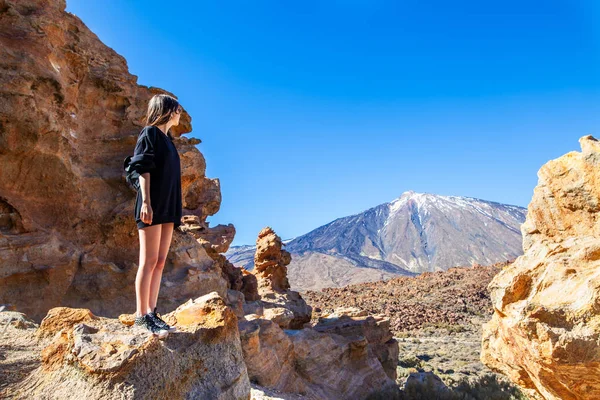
165 243
149 246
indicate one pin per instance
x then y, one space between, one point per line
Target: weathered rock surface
74 353
318 365
218 238
70 112
545 331
272 285
19 349
95 357
270 261
347 354
355 323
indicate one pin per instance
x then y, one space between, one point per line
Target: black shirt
156 153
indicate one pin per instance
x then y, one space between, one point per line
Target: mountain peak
422 195
419 198
415 233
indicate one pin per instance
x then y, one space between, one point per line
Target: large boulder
319 365
545 331
352 322
101 358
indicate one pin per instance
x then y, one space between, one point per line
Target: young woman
157 206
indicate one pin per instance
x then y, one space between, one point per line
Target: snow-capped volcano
414 233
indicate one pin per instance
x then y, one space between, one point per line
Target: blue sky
310 111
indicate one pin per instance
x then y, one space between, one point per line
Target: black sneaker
159 322
146 323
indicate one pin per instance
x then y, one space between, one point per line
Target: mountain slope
414 233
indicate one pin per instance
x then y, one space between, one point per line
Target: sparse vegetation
486 387
450 328
410 362
489 387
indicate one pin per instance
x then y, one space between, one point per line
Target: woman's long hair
160 109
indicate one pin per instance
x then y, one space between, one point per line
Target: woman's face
176 115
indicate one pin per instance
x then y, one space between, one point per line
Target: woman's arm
145 186
146 212
143 162
143 154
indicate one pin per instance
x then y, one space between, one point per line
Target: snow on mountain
414 233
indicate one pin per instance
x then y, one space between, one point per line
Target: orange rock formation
86 356
270 285
70 113
545 330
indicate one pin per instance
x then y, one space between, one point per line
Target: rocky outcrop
347 354
270 284
214 354
284 352
352 322
218 238
545 330
314 362
270 261
87 356
70 112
